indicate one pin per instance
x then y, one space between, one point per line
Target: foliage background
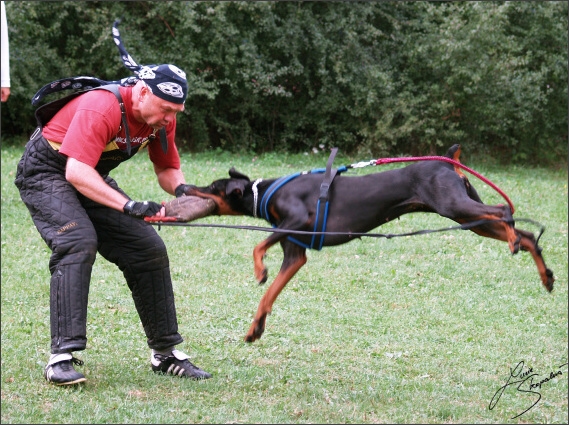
373 78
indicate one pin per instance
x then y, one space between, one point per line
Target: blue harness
317 241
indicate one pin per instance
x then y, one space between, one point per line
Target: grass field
421 329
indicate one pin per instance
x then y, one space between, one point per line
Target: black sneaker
59 370
176 364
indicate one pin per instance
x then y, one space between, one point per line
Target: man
5 68
80 210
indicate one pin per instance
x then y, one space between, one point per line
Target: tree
372 78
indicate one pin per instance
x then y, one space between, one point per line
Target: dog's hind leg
294 259
500 224
517 239
529 243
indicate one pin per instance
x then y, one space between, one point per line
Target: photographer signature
527 384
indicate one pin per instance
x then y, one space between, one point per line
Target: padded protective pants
75 228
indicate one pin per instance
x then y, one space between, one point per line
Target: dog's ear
236 187
233 173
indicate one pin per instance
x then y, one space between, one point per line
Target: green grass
420 329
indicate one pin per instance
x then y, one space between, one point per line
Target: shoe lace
67 365
77 361
163 358
173 359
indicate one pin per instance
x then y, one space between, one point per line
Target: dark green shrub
372 78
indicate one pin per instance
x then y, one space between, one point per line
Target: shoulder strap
114 88
163 140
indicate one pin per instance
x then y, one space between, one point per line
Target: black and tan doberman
352 205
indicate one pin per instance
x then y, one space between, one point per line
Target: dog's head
226 193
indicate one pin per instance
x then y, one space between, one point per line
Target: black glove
141 209
181 190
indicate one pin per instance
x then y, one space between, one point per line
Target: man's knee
75 244
152 259
148 247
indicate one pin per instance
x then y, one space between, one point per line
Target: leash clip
363 164
255 196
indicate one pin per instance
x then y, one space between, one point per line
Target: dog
356 204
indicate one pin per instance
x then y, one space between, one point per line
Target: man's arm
169 178
89 182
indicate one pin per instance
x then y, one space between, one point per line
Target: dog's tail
454 154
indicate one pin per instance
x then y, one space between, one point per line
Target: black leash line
466 226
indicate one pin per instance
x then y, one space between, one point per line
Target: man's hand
181 190
5 94
141 209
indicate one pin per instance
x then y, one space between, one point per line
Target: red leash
163 220
438 158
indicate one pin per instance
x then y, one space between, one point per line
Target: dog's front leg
294 259
259 252
261 272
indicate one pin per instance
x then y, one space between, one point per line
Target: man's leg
65 227
140 253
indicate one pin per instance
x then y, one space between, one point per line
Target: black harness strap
328 175
322 207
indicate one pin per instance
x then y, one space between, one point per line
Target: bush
372 78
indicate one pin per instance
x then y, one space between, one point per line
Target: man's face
156 112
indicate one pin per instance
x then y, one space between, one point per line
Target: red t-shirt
91 124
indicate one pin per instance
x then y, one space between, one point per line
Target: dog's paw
256 330
549 280
264 276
